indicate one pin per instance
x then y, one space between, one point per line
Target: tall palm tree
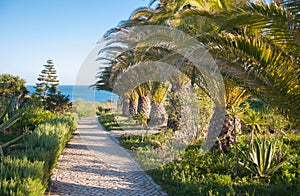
258 47
125 106
144 101
167 14
138 99
158 112
133 103
235 96
172 13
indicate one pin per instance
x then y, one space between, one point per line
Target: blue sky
33 31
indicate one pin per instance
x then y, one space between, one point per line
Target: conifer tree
47 81
47 89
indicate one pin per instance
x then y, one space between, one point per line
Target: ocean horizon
83 92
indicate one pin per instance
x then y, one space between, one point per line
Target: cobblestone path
93 164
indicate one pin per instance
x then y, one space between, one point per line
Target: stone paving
94 164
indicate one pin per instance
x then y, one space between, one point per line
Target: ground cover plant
268 166
216 173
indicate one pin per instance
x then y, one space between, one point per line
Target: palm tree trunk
157 114
144 103
133 105
125 107
174 116
227 135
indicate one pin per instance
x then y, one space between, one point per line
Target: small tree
47 89
48 81
12 94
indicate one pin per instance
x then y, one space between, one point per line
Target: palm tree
172 13
167 13
235 96
125 106
144 101
133 103
158 112
180 85
109 77
262 54
256 46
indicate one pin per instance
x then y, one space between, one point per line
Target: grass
109 122
116 122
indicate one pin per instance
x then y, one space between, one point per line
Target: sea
83 92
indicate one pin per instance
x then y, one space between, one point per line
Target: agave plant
6 125
262 158
8 144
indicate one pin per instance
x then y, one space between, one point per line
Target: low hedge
28 170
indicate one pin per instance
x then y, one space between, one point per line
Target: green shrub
71 119
29 171
84 108
12 167
26 186
196 173
34 115
21 177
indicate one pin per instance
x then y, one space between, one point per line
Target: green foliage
264 119
275 122
254 119
142 119
47 81
4 137
109 122
33 115
9 143
12 85
159 91
10 122
12 94
12 167
198 173
5 125
69 119
255 104
264 158
58 103
28 171
84 108
205 105
26 186
102 110
21 177
47 90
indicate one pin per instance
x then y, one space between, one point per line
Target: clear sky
33 31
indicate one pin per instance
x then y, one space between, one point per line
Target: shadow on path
93 164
